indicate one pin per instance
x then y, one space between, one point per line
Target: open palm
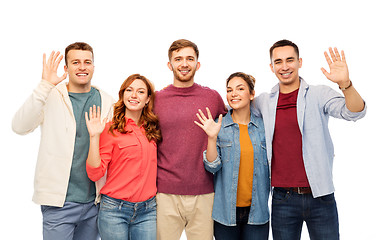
93 122
208 124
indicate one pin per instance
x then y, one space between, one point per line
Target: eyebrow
280 59
238 85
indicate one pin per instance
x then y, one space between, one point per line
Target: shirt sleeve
106 144
334 104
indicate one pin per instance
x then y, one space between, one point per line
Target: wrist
345 85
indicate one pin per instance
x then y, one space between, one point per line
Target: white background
134 36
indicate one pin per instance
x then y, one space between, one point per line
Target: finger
332 54
338 57
105 120
94 111
64 76
199 118
209 113
57 62
44 59
202 115
328 60
98 112
343 56
86 118
91 113
220 119
199 124
50 58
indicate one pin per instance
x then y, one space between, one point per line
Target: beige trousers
190 212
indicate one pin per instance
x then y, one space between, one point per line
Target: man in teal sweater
185 190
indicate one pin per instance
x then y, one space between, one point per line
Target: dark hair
182 43
283 43
78 46
246 77
148 119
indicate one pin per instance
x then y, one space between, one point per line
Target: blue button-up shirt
226 171
314 106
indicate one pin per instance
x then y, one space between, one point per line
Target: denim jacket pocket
225 149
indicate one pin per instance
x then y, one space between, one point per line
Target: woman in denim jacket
236 155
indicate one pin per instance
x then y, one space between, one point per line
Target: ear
252 96
169 66
65 68
300 62
272 67
198 65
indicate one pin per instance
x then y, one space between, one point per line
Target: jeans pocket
280 195
327 199
108 204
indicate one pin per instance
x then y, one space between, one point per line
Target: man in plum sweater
185 190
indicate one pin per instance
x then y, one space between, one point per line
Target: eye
74 62
229 90
88 62
141 91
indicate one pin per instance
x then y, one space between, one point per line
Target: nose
185 63
234 93
133 95
82 66
285 66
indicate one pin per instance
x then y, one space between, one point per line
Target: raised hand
339 72
93 122
208 124
50 68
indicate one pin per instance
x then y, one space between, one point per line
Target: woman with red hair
126 149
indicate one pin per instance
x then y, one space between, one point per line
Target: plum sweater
180 161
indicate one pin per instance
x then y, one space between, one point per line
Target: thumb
327 75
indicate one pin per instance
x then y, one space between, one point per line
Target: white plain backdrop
134 36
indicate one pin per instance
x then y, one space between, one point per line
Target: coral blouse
131 164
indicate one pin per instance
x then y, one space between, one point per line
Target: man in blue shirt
296 130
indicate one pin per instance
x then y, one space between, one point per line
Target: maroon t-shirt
287 159
181 168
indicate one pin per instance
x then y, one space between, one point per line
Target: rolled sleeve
214 166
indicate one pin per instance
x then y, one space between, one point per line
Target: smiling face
184 64
238 94
80 68
135 98
285 64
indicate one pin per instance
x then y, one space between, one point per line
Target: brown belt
299 190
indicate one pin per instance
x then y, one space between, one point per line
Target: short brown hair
246 77
283 43
78 46
182 43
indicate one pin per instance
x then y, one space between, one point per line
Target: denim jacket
314 106
226 171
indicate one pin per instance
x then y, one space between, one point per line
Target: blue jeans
290 209
73 221
122 220
242 230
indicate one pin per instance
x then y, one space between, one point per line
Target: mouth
286 75
235 100
133 102
82 74
184 72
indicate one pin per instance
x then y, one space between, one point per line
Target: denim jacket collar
228 121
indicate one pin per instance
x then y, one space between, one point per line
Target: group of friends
155 163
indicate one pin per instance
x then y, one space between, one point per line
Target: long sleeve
30 115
